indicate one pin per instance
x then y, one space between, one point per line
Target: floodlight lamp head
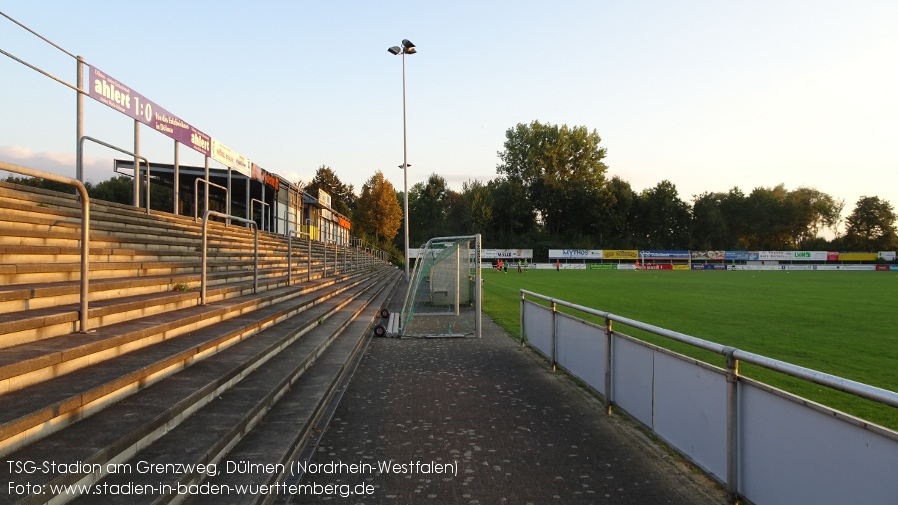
395 50
408 47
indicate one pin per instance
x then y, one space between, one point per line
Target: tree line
552 191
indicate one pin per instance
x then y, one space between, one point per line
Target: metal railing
203 275
85 230
124 151
290 236
196 196
733 357
263 207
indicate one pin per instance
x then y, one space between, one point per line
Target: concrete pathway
484 421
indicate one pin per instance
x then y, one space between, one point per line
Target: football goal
444 292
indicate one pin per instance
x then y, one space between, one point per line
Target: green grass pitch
842 323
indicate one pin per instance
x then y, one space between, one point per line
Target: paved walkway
503 426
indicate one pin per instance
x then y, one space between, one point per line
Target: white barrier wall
789 451
793 453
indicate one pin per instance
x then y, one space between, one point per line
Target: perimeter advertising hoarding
793 255
111 92
491 254
620 254
575 254
741 256
708 255
229 158
664 255
507 253
858 256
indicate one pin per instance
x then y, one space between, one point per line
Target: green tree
871 226
768 227
661 219
619 218
378 213
551 162
478 207
118 189
513 216
735 212
810 211
709 224
37 182
343 198
427 210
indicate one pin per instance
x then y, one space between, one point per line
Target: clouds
95 169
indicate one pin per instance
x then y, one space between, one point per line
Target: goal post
444 297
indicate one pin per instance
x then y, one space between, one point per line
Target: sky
708 95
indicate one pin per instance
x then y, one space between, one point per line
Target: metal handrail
196 195
119 149
856 388
85 229
263 205
203 276
290 236
733 356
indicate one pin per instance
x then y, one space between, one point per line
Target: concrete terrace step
29 273
291 426
26 358
206 407
23 297
119 360
122 221
50 317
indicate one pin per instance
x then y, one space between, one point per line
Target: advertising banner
601 266
708 255
855 256
887 255
657 267
664 255
507 253
229 158
577 254
710 267
775 255
741 256
620 254
809 255
112 93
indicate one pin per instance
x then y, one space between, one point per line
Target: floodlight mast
407 48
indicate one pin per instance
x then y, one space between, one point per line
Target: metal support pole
309 239
458 279
478 288
523 341
85 229
137 166
608 363
177 183
79 126
554 335
405 166
732 378
205 241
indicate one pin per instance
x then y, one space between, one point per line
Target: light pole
407 48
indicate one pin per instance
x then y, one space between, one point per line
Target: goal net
444 292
